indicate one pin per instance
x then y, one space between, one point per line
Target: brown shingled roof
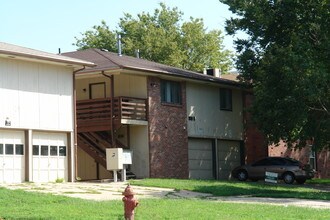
105 60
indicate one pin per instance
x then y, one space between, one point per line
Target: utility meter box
114 158
127 156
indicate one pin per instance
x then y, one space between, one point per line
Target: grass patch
18 204
231 188
319 181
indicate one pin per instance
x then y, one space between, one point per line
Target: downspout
112 108
75 124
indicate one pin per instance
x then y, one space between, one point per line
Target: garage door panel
18 175
200 159
50 165
62 163
43 162
200 155
200 165
53 174
195 144
228 157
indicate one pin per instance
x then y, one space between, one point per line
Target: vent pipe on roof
59 51
137 53
119 44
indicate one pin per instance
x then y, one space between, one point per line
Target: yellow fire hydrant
129 203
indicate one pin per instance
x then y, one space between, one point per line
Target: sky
48 25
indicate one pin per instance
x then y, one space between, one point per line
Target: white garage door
200 159
229 157
12 157
49 157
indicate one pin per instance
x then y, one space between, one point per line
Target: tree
163 37
286 61
100 37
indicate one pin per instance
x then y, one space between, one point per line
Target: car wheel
242 175
301 181
288 178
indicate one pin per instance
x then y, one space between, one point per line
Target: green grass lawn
235 188
18 204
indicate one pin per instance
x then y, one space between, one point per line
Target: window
170 92
19 149
62 151
9 149
226 99
1 148
53 150
44 150
35 150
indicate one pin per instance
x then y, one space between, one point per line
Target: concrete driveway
113 191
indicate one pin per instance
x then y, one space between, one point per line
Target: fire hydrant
129 203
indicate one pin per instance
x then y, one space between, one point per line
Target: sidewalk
113 191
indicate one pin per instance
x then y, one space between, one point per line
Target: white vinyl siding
36 96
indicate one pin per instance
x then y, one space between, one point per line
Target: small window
170 92
62 150
226 99
9 149
1 148
53 150
44 150
19 149
35 150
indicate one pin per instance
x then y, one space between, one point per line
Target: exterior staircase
95 144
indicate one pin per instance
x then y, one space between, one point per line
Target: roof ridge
98 51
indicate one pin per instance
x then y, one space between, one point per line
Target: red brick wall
323 164
168 136
255 144
283 151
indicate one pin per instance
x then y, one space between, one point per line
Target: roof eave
45 58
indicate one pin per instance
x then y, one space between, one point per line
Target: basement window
170 92
226 99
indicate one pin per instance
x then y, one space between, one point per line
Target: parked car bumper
305 174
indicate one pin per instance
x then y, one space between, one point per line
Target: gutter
75 123
112 106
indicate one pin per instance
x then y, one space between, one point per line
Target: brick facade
254 142
168 136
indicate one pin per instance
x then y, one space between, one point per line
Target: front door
97 90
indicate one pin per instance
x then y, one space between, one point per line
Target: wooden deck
95 114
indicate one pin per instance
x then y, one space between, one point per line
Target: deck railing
99 110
